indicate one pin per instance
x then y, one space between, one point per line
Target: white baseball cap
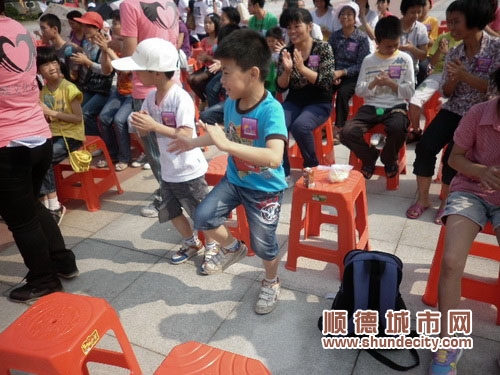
154 54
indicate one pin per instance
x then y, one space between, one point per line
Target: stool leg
91 197
128 353
362 220
294 233
392 183
313 219
430 296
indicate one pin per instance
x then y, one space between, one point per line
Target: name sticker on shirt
483 64
249 128
429 27
395 71
313 61
352 46
168 119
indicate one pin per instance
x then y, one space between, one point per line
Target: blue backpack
371 282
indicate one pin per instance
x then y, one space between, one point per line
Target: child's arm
489 176
420 51
145 124
442 49
75 117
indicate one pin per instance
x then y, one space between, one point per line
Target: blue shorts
472 207
262 210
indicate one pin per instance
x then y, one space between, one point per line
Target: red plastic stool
357 103
431 108
216 170
87 186
392 183
472 289
57 335
324 153
193 358
135 143
348 198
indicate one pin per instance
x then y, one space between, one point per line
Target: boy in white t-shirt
169 112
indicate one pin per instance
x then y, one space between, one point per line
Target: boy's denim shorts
176 196
262 210
472 207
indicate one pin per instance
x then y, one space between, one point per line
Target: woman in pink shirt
25 156
473 201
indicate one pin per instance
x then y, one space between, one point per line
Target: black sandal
367 171
414 136
391 170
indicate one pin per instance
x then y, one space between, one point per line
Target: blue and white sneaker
444 362
186 252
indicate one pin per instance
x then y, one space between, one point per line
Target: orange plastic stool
357 102
431 108
134 142
472 289
87 186
348 198
324 153
392 183
57 336
193 358
216 170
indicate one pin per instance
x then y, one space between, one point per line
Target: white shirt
418 36
183 7
200 10
371 19
176 110
327 20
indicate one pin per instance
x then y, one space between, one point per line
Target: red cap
91 18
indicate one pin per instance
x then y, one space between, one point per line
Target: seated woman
465 82
199 79
473 201
350 46
305 69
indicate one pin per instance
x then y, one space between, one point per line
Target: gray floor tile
9 311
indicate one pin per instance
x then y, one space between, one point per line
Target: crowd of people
127 79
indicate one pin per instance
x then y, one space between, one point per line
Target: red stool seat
57 335
392 183
348 198
324 152
472 289
87 186
193 358
216 170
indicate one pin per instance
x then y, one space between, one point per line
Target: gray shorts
177 196
472 207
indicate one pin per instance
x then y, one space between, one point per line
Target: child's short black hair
232 14
259 2
52 20
407 4
45 54
215 18
2 6
478 14
276 33
237 47
115 15
384 1
73 14
295 15
327 3
226 30
169 75
388 28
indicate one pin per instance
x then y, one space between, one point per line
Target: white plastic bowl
339 172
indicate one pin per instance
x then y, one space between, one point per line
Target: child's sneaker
139 162
186 252
268 297
58 214
150 211
444 362
223 259
209 253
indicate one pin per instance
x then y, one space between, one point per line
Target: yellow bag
79 160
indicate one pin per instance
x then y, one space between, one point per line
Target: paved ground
123 258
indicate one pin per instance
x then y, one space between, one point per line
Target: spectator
316 32
76 36
229 16
474 200
324 16
25 156
350 46
201 10
383 8
305 69
368 19
61 103
432 25
274 37
386 81
464 82
261 20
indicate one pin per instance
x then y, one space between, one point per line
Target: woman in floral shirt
305 68
465 82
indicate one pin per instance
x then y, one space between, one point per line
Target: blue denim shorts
262 210
472 207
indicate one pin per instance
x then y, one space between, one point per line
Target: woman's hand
81 58
456 70
215 67
444 46
337 74
287 61
298 60
101 41
490 178
279 45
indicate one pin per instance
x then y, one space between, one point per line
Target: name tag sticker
249 128
352 46
395 71
483 64
168 119
429 27
313 61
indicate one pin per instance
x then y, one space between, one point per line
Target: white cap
354 6
154 54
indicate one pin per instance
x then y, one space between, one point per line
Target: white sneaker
268 297
149 211
376 139
146 167
223 259
139 162
209 253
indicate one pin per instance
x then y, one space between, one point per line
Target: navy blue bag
371 282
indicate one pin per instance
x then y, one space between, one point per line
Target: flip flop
439 215
415 211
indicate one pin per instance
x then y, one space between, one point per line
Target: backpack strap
360 273
388 291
